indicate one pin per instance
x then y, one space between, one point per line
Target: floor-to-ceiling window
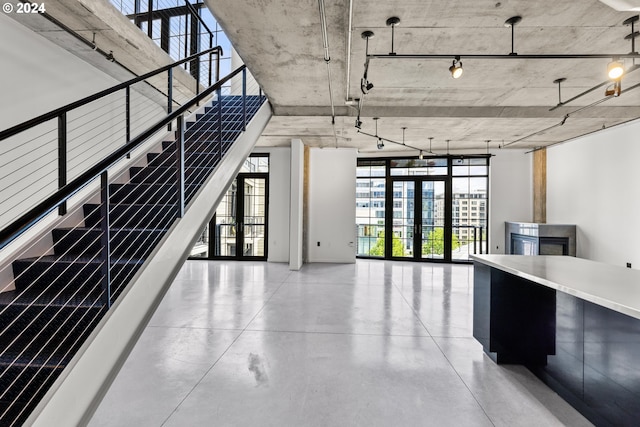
370 207
238 230
433 209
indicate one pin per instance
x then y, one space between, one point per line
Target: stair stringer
77 392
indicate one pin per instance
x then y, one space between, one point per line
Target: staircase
60 297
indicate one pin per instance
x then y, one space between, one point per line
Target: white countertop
610 286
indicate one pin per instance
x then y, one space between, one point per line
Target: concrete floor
374 343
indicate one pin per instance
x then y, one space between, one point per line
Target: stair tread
113 229
17 360
35 299
70 259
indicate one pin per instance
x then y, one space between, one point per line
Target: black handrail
14 130
24 222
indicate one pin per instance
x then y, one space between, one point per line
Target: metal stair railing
41 155
67 278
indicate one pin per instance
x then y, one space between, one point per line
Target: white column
296 215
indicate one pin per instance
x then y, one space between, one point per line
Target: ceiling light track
568 115
596 87
632 55
382 140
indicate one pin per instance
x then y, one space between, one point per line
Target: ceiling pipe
327 58
348 80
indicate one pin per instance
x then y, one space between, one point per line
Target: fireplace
523 238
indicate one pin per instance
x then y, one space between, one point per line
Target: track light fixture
614 90
110 57
365 86
421 156
380 144
615 69
456 68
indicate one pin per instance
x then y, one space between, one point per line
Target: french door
419 208
238 230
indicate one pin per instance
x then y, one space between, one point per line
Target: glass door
418 211
252 213
403 206
432 237
238 229
241 220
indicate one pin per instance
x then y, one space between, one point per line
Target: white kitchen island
574 322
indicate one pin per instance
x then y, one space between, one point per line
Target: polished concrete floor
374 343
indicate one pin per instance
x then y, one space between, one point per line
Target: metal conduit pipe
349 33
327 58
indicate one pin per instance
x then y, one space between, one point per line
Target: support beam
540 186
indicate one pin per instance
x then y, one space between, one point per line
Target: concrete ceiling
501 100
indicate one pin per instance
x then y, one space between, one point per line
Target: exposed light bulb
615 70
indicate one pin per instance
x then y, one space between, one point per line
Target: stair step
24 378
132 215
167 159
159 174
62 275
30 322
14 413
128 243
196 146
143 193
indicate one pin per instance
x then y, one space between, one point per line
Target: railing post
244 99
475 248
105 238
218 65
219 95
150 19
180 165
480 240
62 158
169 94
210 57
127 110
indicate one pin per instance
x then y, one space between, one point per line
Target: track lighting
614 90
365 86
421 156
380 144
110 57
615 69
456 68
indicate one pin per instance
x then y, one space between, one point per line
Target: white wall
38 76
593 182
279 202
510 193
332 201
